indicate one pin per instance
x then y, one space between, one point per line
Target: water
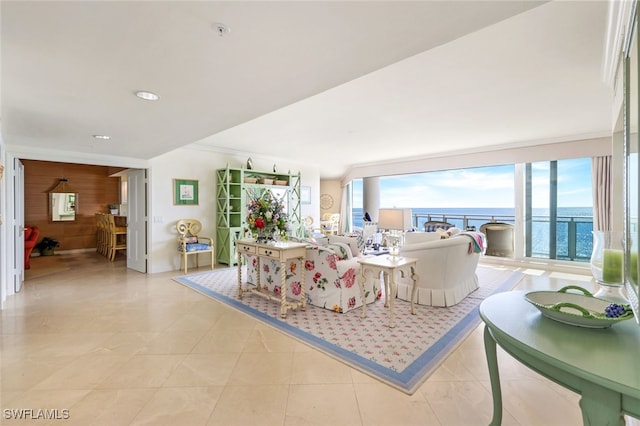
576 221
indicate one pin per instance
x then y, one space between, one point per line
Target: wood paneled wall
95 191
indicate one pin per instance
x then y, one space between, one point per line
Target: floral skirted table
281 251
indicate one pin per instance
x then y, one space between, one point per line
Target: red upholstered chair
30 237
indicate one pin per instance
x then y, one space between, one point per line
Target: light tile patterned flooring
116 347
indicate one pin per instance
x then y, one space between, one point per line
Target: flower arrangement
266 215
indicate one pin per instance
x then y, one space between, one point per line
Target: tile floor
107 346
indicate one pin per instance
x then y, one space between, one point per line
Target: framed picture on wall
305 194
185 192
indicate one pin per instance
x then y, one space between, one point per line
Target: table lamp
396 221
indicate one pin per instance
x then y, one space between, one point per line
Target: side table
388 266
599 364
281 251
378 252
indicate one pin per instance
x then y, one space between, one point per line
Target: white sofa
446 268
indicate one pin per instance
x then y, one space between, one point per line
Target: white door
137 220
17 218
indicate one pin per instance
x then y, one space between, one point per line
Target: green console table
603 365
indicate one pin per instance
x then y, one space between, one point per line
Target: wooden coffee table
388 266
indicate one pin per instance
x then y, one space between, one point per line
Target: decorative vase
607 264
51 251
266 234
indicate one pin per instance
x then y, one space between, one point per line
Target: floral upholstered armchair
330 278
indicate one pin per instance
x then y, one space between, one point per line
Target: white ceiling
331 84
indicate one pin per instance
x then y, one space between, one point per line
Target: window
557 216
463 197
559 209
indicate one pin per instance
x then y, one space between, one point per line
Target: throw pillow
341 250
443 234
192 239
352 242
453 231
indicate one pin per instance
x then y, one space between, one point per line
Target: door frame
7 256
12 231
137 223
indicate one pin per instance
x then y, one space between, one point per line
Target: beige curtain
346 224
601 175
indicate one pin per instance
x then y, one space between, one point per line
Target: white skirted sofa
331 274
446 267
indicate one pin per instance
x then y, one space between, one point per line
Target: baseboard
84 250
579 268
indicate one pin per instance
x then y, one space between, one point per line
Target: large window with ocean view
557 218
465 197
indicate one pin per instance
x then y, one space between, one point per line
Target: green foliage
47 243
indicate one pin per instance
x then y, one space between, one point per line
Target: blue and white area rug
402 357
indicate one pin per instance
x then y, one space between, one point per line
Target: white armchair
446 268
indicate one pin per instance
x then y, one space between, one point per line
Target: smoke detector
221 29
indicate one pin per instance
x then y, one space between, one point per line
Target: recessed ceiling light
147 96
105 137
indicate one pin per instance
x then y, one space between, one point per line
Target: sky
483 187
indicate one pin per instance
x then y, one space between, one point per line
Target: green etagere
235 187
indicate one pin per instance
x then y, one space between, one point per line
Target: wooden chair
102 234
117 237
307 222
432 225
330 223
189 242
369 229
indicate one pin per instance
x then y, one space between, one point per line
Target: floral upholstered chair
331 276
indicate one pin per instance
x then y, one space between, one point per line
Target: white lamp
396 221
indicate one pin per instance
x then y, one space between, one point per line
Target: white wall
183 163
4 270
191 163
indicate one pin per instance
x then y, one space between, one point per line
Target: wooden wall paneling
95 191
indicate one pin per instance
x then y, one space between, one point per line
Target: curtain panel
601 175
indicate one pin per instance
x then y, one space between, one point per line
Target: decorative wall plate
326 201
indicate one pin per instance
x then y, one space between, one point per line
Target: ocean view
576 221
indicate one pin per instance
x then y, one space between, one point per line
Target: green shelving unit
234 189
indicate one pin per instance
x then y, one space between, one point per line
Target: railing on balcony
573 238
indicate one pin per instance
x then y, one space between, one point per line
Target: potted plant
113 208
47 246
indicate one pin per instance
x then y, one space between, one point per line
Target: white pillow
352 242
453 231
